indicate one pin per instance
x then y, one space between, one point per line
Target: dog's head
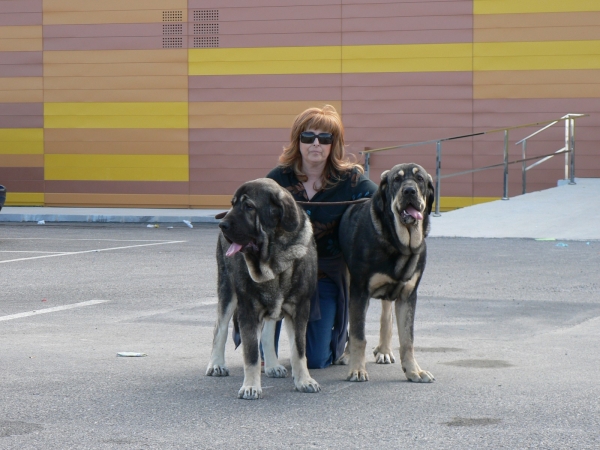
408 190
259 210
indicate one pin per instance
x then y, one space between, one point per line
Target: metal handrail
568 149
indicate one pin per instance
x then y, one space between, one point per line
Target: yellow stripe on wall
116 115
117 167
24 198
21 141
21 45
264 60
332 59
407 58
550 55
120 200
533 6
21 32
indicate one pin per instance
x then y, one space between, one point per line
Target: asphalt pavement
508 325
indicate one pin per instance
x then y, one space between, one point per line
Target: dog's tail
235 333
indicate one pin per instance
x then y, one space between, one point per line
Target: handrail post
572 145
568 147
505 197
438 170
524 166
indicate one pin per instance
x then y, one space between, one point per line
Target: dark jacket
326 221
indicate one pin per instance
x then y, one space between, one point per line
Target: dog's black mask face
260 208
409 190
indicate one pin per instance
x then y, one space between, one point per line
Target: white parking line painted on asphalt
209 303
51 310
25 251
91 251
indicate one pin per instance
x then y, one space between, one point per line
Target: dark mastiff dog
267 263
383 242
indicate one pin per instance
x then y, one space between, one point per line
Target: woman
314 168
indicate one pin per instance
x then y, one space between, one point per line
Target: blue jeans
318 332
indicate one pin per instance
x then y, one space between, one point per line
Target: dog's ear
380 196
430 194
288 213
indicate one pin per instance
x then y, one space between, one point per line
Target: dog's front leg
383 352
297 336
357 342
272 367
216 366
405 316
250 334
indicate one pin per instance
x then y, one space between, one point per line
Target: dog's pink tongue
413 212
233 249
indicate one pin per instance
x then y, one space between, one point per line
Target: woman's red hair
328 120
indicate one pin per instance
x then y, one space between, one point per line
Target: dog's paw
342 360
420 376
308 386
250 392
217 371
276 371
358 375
383 357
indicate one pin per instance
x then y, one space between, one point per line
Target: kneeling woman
314 167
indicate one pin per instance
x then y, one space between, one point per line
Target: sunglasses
308 137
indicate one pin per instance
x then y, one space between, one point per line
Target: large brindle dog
383 242
267 269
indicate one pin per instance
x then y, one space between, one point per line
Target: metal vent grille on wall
209 28
206 15
206 41
172 16
175 28
172 42
170 29
206 28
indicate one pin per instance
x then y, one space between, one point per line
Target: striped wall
174 103
22 101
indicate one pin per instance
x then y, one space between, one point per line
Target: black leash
349 202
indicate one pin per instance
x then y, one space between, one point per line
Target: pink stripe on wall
199 4
406 37
21 58
267 94
258 148
21 64
264 88
15 121
22 179
21 70
20 6
262 81
276 40
126 30
233 135
21 109
18 19
406 8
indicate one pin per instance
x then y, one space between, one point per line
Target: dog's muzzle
409 206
